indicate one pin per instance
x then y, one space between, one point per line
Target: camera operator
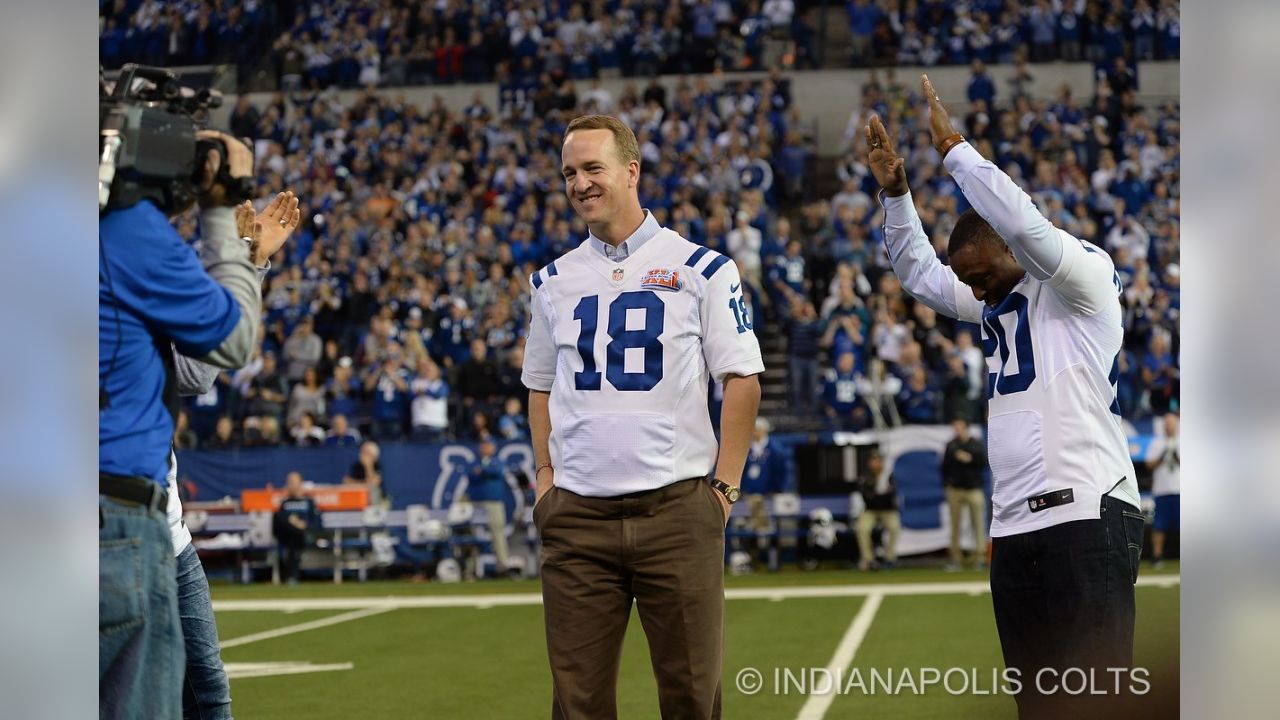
154 295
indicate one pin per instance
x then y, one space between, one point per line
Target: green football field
476 650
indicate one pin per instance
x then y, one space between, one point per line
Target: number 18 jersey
626 350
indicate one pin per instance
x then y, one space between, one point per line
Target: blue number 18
620 340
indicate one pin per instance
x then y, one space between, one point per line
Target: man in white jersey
625 332
1066 530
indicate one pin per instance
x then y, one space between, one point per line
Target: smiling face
601 186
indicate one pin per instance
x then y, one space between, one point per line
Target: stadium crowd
361 43
1106 170
400 304
397 310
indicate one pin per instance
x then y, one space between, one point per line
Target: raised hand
944 135
889 169
275 224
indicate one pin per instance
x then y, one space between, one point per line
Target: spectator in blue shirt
341 434
513 425
863 16
487 488
918 402
843 408
981 86
389 385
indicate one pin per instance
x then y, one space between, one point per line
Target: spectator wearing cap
879 493
487 488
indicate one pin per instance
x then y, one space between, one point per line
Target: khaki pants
867 521
497 513
664 549
976 503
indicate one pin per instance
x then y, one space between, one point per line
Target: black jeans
1064 599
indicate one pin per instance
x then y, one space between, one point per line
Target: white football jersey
1051 346
626 350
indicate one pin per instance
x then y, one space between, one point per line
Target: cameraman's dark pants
665 549
1064 599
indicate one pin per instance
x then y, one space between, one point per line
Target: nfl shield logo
617 275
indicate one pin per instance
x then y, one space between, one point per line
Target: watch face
732 495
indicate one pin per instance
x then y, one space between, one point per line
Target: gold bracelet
949 142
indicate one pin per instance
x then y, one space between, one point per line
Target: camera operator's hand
239 162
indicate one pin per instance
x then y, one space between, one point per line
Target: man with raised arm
1066 529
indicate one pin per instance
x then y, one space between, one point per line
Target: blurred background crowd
398 309
358 43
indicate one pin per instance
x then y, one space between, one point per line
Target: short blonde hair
624 140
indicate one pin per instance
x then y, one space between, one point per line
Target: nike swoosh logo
734 288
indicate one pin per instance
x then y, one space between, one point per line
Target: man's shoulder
697 262
571 259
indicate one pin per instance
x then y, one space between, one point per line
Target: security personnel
153 292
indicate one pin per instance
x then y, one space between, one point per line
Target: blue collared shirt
632 244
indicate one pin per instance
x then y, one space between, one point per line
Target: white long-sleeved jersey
626 349
1051 347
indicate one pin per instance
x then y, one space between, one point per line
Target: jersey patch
662 279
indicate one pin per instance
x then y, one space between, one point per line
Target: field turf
476 650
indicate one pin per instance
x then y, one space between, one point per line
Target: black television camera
147 143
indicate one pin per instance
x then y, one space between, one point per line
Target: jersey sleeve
918 267
1080 274
729 343
1086 280
539 369
167 287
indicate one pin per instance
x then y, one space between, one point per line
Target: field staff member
1065 515
625 331
152 291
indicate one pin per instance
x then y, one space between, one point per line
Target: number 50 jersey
1054 436
625 349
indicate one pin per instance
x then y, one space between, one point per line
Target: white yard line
235 671
815 708
385 603
303 627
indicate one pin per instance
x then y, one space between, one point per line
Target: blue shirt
157 288
632 244
488 480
